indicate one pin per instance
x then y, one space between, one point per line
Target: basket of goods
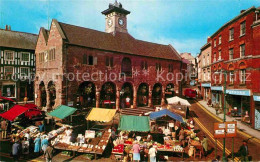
119 148
178 148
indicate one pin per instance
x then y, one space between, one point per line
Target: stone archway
108 95
43 94
157 94
52 93
169 90
126 95
87 94
143 94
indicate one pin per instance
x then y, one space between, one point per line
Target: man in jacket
49 153
243 150
16 149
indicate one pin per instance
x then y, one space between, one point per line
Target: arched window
126 66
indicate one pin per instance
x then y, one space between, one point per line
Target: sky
185 24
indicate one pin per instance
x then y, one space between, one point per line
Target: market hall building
133 65
17 64
236 55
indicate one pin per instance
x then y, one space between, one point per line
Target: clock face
121 22
109 22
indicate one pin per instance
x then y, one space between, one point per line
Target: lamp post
224 118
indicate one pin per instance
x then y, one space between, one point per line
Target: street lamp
224 118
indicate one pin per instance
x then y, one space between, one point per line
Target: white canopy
177 100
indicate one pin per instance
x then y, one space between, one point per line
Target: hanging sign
227 129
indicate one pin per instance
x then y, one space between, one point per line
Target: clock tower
116 20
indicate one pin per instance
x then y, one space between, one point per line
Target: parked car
190 93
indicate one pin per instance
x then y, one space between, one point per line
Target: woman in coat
37 144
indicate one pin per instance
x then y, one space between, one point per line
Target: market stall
6 103
14 112
62 112
179 105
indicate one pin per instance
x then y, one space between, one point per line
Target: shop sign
205 84
70 103
89 134
217 88
238 92
256 98
227 129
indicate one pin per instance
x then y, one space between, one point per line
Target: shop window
158 67
144 65
9 70
41 57
242 50
243 76
25 57
219 55
24 71
109 61
9 55
214 59
9 90
231 53
231 77
51 55
243 28
126 67
170 68
231 34
89 60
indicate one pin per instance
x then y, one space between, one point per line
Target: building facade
236 68
77 65
191 67
204 74
17 64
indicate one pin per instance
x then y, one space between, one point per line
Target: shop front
217 93
206 91
257 111
238 104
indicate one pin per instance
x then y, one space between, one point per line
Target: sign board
227 129
89 134
238 92
70 103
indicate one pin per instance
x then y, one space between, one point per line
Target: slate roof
118 42
16 39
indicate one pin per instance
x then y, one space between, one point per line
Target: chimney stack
242 11
9 28
6 27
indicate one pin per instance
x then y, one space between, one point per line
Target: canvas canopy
62 111
134 123
177 100
14 112
7 99
164 112
101 115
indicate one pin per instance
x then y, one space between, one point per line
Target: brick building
236 55
17 62
110 69
204 68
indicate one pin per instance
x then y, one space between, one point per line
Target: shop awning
101 115
30 105
164 112
14 112
7 99
62 111
134 123
178 100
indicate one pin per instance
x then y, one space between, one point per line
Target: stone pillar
117 98
39 96
135 97
48 103
97 97
163 96
150 104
